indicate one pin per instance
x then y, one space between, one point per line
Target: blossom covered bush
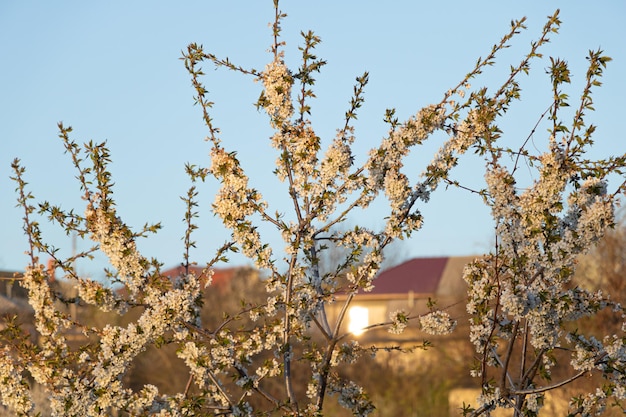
520 296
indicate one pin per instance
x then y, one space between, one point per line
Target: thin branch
524 352
548 387
530 135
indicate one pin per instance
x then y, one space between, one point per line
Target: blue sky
112 71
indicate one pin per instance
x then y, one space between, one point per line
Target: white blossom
437 322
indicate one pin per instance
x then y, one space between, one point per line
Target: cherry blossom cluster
521 296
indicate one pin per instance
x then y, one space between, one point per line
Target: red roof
220 275
419 275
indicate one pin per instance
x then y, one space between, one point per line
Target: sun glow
359 320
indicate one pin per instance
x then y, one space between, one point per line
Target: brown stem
507 358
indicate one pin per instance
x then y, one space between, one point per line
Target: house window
358 320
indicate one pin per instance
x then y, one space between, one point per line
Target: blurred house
13 298
220 277
14 301
409 287
8 285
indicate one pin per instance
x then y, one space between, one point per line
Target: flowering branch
521 299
